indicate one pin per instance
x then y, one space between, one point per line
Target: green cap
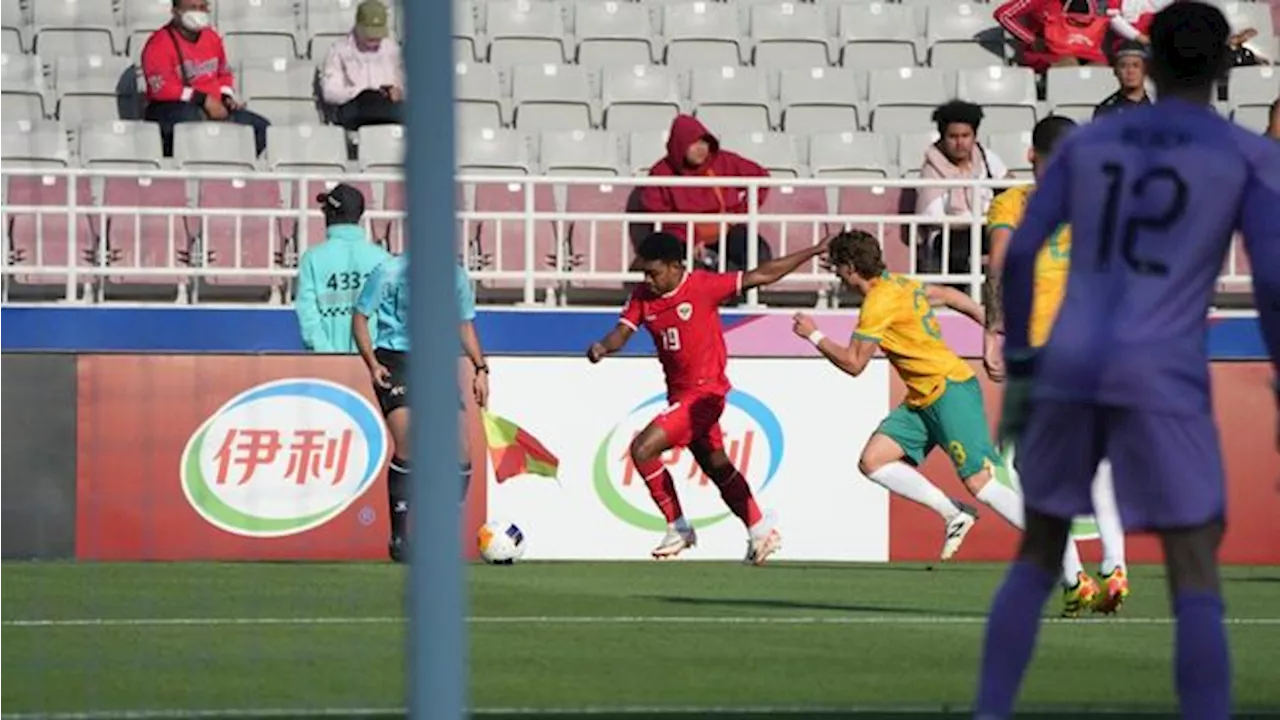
371 19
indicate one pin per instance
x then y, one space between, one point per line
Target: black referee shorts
397 395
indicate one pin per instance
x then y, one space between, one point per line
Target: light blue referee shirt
385 295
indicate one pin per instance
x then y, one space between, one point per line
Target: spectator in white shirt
957 155
1130 19
363 76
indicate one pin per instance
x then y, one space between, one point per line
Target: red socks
661 488
733 489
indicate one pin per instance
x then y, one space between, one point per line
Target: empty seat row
136 144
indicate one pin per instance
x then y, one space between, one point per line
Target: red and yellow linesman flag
515 452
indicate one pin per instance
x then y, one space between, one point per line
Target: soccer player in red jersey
681 311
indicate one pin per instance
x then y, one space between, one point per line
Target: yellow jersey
1051 264
896 314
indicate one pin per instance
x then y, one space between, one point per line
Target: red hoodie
685 131
176 67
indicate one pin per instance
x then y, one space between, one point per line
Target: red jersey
176 67
685 325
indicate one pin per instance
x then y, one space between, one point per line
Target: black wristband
198 98
482 368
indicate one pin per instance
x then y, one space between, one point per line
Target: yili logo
753 440
283 457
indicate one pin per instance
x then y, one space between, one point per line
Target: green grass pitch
633 639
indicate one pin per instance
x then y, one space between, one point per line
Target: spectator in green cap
362 81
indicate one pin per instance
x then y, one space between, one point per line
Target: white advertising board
794 427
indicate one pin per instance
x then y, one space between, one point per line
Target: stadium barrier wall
38 470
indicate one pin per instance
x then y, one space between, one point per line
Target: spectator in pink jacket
363 77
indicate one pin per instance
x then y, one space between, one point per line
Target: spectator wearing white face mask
363 76
188 79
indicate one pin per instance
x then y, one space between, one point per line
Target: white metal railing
92 253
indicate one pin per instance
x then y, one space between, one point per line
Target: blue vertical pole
437 674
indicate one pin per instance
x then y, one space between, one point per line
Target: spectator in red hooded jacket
693 151
188 79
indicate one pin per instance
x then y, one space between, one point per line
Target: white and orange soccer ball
500 542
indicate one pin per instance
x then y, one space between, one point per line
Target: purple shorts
1167 468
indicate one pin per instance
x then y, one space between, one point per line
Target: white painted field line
603 620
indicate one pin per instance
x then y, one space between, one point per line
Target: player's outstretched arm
611 343
851 359
774 270
1260 224
943 296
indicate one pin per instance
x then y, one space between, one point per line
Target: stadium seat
40 237
821 99
492 151
878 35
904 98
791 235
503 241
93 88
246 241
141 19
849 154
732 99
333 17
74 27
789 35
478 96
910 149
258 29
145 241
639 98
306 148
598 245
121 144
466 39
877 201
579 152
22 85
645 148
39 144
963 35
1257 85
552 97
281 90
381 148
1070 91
1007 96
613 33
1012 148
701 34
1254 117
775 152
13 26
524 31
214 145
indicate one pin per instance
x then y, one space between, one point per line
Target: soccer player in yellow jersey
943 407
1079 589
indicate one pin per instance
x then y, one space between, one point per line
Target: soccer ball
501 542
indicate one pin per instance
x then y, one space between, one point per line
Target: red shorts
693 419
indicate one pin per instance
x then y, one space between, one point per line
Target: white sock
1107 513
767 522
899 477
1006 502
681 525
1071 565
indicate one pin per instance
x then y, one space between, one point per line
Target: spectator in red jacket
188 80
1026 21
693 151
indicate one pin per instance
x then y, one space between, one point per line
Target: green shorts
956 421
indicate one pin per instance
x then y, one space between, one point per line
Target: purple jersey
1153 196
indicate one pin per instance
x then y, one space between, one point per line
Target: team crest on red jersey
684 311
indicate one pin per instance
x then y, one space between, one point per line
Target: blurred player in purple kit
1153 197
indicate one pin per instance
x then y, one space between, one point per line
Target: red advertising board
1246 416
237 457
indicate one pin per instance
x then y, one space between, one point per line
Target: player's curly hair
857 249
1189 45
661 246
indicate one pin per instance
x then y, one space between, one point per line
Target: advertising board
793 427
234 458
